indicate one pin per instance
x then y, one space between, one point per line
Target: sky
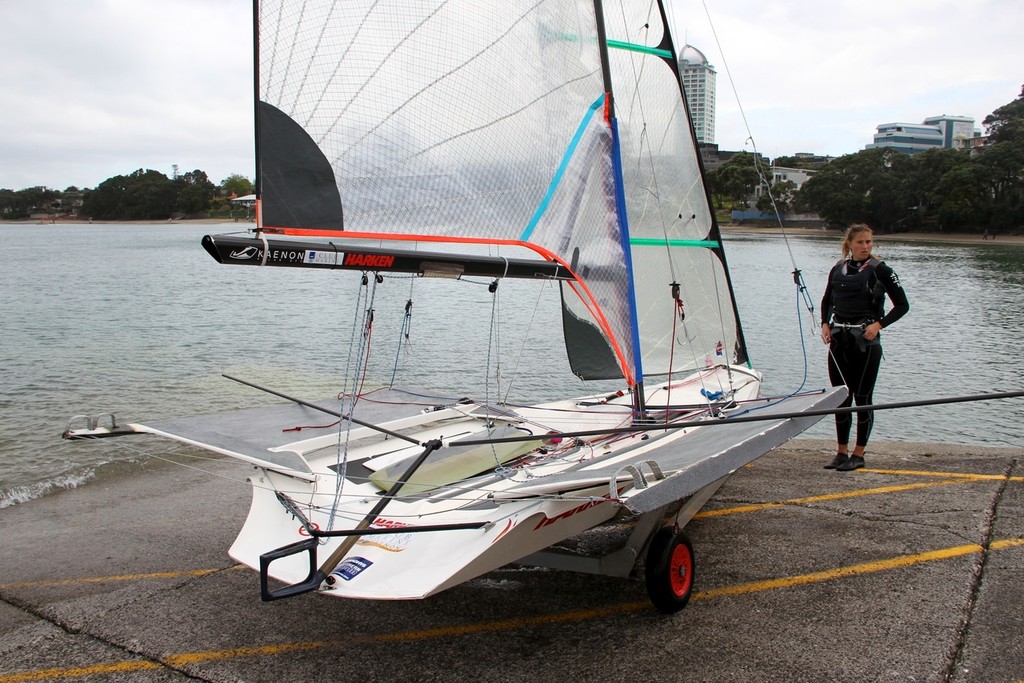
92 89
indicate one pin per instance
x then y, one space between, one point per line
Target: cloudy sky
96 88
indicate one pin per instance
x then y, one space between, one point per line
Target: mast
256 105
639 403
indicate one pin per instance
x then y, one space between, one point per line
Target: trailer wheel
668 570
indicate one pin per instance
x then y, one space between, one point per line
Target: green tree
104 202
9 204
150 195
736 179
782 193
21 204
866 187
142 195
1004 166
799 162
923 176
1004 160
193 192
1007 122
964 197
236 184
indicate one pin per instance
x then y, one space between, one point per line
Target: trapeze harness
854 298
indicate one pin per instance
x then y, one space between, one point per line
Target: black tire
668 570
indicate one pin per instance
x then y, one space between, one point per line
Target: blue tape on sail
570 150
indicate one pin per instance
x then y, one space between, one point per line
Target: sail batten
655 242
635 47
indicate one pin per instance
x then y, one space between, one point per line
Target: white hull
510 500
538 501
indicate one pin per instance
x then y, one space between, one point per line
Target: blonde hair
852 232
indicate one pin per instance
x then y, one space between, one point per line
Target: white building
935 132
798 176
699 85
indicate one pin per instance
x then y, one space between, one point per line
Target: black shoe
840 459
854 463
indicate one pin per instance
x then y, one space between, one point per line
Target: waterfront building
699 85
798 176
935 132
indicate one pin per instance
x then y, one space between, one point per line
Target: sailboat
544 141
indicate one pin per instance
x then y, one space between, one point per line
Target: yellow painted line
947 479
237 652
188 658
121 577
857 569
947 475
822 498
79 671
961 475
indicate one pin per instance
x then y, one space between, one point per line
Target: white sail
485 122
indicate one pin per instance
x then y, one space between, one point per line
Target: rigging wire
526 337
355 372
803 293
403 333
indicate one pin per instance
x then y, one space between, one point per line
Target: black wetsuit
855 295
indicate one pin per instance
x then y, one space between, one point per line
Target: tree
23 203
149 195
1004 160
193 192
142 195
782 193
9 204
1007 122
736 179
237 185
922 179
964 197
799 162
1004 166
866 187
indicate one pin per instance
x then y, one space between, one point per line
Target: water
138 320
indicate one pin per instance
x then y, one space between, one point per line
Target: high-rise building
699 85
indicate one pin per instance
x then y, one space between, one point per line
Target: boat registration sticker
328 258
351 568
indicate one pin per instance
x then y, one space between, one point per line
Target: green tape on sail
633 47
652 242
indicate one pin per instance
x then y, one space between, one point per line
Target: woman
852 315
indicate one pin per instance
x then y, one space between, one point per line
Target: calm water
141 322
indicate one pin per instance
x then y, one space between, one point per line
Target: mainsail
558 126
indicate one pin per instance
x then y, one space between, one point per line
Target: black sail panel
590 356
297 184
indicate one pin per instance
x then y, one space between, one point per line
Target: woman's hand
872 330
826 333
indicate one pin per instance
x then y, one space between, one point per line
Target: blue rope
801 295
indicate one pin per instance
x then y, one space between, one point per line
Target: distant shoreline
727 228
957 237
